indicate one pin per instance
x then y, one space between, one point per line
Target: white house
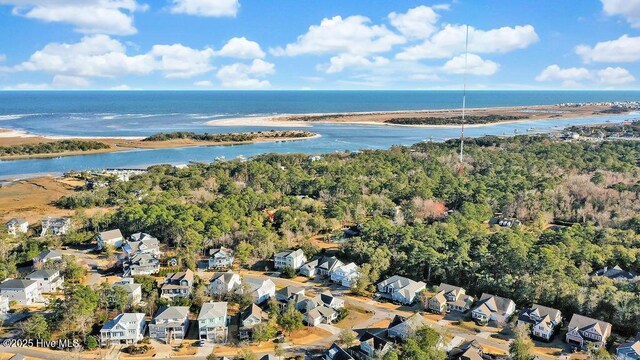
46 256
289 258
112 238
402 327
401 289
542 320
224 283
126 328
55 226
134 291
249 318
323 266
583 330
170 323
221 258
17 226
493 308
327 299
260 290
141 255
212 322
49 280
23 292
320 315
177 285
346 275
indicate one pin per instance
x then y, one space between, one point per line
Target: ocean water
139 113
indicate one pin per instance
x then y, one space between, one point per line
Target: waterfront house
629 350
450 298
289 258
17 226
251 316
46 256
126 328
134 291
345 275
23 292
493 308
373 346
55 226
583 330
542 320
327 299
170 323
260 290
48 280
177 285
401 289
221 258
402 327
335 352
111 238
212 322
224 283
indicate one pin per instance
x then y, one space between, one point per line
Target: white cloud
245 76
450 41
203 83
629 9
122 87
475 65
624 49
240 47
418 23
352 35
210 8
555 72
615 76
28 86
342 61
113 17
179 61
70 82
3 57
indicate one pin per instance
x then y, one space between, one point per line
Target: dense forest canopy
397 198
52 147
227 137
469 119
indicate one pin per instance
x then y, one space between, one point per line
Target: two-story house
346 275
320 315
46 256
141 255
629 350
141 264
48 280
55 226
170 323
23 292
111 238
126 328
221 258
402 327
251 316
542 320
289 258
224 283
493 308
212 322
287 293
327 299
467 350
401 289
133 290
17 226
373 346
450 298
260 290
583 330
177 285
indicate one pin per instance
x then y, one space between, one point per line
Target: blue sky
310 44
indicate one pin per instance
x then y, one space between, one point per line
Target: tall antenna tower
464 102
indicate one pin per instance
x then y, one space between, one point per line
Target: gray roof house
401 289
616 273
112 238
260 290
23 292
289 258
583 330
177 285
170 323
126 328
629 350
55 226
249 318
450 298
224 283
212 322
542 320
327 299
17 226
402 327
49 280
47 255
493 308
286 293
134 291
221 258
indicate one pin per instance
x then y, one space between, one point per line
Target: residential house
141 255
17 226
468 350
616 273
212 322
289 258
112 238
320 315
142 243
46 256
309 269
221 258
134 291
224 283
583 330
402 327
288 293
493 308
48 280
629 350
450 298
260 290
542 320
141 264
345 275
504 221
335 352
327 299
23 292
126 328
401 289
170 323
373 346
249 318
55 226
322 266
177 285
